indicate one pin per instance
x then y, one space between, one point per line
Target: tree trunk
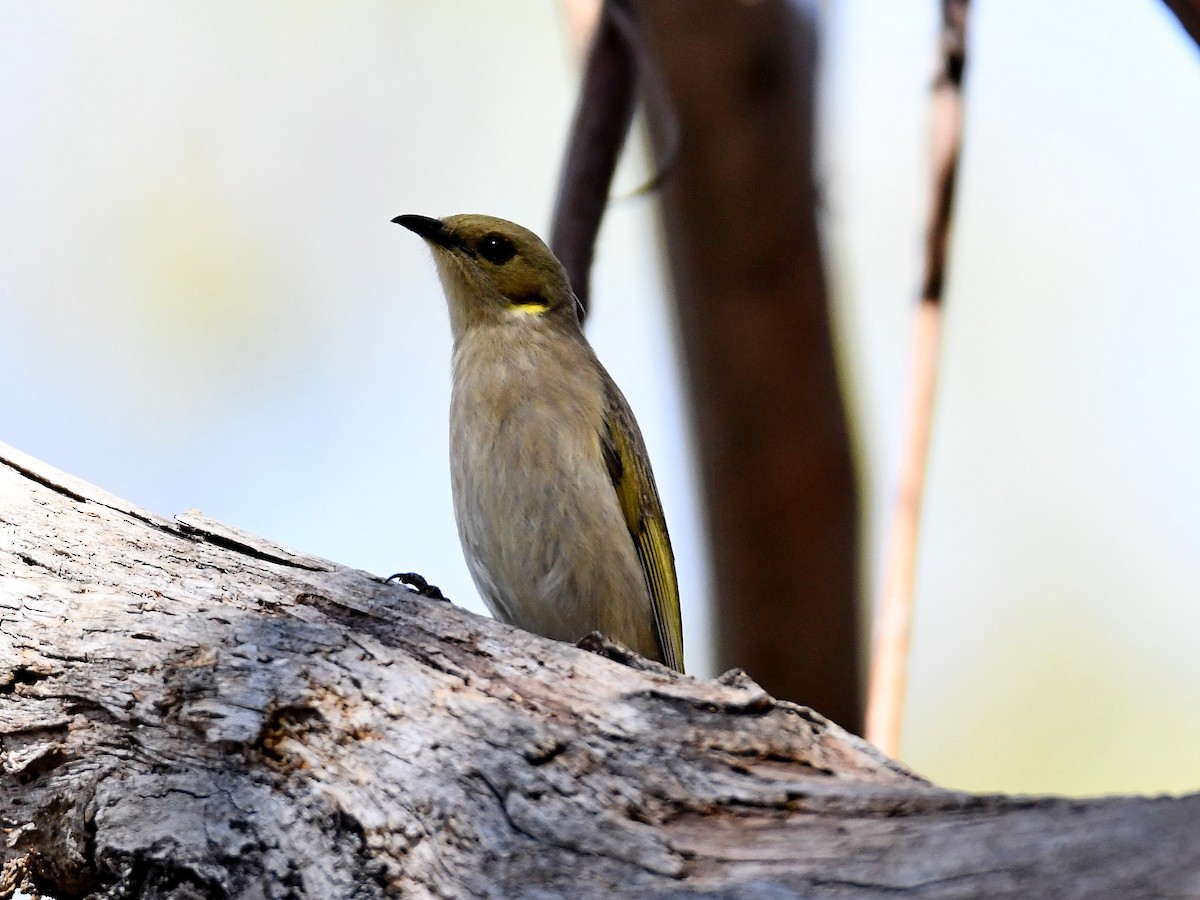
739 205
190 711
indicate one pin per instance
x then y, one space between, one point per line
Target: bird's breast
539 520
525 397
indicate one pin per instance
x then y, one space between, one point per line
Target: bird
557 510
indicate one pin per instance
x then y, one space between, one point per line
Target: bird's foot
595 642
418 585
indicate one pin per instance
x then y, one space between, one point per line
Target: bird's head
494 271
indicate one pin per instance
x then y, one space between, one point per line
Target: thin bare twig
893 624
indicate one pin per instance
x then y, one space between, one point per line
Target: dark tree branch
602 119
740 215
1188 14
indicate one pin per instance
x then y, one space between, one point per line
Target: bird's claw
598 643
418 585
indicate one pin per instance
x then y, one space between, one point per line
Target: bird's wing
629 468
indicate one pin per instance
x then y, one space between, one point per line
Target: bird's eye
496 249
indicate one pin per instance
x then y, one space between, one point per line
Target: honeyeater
557 510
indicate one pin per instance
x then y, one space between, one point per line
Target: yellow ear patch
528 309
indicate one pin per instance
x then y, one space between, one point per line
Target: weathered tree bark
189 711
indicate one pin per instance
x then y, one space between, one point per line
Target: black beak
433 230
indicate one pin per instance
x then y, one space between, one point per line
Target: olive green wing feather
629 467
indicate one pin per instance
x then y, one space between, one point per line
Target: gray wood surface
190 711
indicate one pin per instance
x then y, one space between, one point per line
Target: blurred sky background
203 304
